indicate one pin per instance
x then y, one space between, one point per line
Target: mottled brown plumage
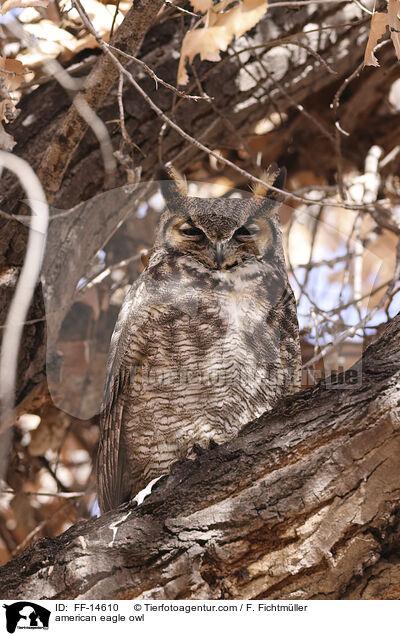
206 339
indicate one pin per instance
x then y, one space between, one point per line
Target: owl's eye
191 232
246 232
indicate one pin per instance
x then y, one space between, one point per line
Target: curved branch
27 281
302 504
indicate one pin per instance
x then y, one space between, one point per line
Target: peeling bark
303 504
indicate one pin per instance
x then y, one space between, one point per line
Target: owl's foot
196 451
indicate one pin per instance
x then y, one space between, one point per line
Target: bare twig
313 53
178 8
114 19
99 82
338 129
327 262
124 132
301 3
181 132
362 7
39 493
354 328
157 79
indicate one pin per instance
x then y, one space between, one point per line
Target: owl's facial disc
220 250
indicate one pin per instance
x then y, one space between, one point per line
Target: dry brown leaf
220 28
243 17
53 41
201 5
394 24
22 4
14 74
208 42
101 15
183 76
30 14
6 141
379 22
377 29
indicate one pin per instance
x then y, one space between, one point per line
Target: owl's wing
110 458
290 339
124 350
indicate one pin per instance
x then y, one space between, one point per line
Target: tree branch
303 504
26 283
100 81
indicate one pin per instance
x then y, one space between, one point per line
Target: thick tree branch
303 504
100 81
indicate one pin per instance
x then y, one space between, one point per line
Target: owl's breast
211 365
207 355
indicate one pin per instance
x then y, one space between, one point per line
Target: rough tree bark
302 505
244 90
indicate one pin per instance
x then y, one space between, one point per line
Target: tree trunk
302 505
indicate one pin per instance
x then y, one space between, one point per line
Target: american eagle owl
206 340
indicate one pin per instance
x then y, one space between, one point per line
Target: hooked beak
219 254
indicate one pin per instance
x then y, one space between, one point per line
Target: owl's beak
219 254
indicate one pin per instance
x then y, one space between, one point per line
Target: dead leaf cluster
379 22
219 25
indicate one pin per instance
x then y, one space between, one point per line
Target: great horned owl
206 340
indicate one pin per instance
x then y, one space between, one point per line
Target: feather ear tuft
275 177
258 189
173 184
180 181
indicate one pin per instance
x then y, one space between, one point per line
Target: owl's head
220 233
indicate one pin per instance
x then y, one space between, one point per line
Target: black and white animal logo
26 615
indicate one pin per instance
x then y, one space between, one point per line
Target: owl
206 339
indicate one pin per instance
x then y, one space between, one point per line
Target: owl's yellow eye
191 232
247 232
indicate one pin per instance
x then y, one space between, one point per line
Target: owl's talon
197 450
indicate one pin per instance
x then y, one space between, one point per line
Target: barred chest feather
206 340
212 365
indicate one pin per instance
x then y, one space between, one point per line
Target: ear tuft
275 177
180 181
279 182
173 185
